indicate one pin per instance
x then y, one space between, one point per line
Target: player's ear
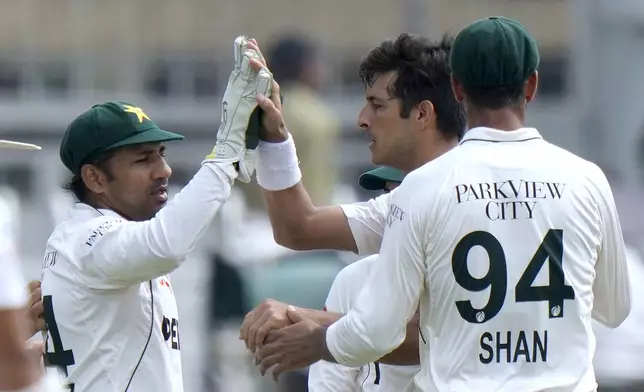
425 113
93 178
531 86
457 89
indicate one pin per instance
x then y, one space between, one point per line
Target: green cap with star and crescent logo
105 127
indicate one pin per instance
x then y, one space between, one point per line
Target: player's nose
363 119
163 170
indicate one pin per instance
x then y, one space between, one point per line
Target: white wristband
278 167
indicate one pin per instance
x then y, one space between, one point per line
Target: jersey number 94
496 278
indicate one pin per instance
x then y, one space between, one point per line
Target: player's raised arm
119 231
611 289
297 223
394 85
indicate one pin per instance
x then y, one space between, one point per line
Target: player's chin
379 159
156 204
376 157
149 213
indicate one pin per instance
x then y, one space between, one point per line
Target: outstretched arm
271 315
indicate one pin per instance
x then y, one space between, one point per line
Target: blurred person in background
20 364
296 63
330 377
619 357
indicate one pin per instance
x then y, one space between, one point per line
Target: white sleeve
377 323
122 253
611 289
367 222
331 377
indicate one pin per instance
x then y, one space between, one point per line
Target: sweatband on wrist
277 167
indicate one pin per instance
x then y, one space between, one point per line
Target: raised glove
238 104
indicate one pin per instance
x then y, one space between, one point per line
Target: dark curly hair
77 187
422 73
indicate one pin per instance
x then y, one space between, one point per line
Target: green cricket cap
376 179
105 127
493 52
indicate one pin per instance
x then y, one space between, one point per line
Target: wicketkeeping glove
238 105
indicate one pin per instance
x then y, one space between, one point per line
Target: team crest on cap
140 114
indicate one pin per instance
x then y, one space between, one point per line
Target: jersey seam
148 340
500 141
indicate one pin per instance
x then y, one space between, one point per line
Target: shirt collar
85 210
483 134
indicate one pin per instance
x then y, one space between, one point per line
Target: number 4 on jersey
550 249
556 291
60 357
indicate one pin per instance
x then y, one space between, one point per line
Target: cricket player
20 368
410 116
111 316
509 244
330 377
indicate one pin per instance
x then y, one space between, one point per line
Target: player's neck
100 203
432 151
507 119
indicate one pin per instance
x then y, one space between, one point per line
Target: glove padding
239 105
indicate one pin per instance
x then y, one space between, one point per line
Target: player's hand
35 350
35 308
238 105
268 316
273 128
294 347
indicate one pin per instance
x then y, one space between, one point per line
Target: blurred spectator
618 358
297 67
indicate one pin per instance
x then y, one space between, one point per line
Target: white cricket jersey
367 222
331 377
510 244
109 305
